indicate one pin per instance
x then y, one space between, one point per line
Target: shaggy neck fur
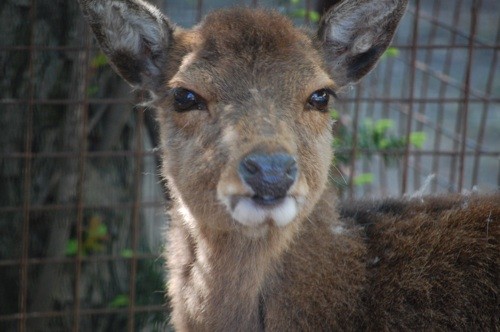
222 273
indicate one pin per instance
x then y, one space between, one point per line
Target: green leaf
127 253
99 60
383 125
391 52
418 138
102 230
301 13
92 90
97 229
72 247
120 301
334 114
314 16
384 143
364 178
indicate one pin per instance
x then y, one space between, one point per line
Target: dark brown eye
187 100
319 100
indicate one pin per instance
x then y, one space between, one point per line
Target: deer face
242 101
246 124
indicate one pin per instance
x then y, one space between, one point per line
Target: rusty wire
409 106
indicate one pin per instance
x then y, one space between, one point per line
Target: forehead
252 31
242 48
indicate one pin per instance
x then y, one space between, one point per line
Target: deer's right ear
134 35
355 33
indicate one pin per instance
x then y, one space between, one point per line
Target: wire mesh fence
82 206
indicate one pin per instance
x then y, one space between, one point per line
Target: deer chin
254 212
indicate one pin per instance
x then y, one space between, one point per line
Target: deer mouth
267 200
257 210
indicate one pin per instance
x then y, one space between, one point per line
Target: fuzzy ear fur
355 33
134 35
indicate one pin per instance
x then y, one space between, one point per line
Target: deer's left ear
355 33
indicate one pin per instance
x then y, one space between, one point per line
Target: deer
258 239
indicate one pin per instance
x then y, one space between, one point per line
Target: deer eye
319 100
187 100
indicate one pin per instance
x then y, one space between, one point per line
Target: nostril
251 166
291 168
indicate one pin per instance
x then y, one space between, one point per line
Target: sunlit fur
304 263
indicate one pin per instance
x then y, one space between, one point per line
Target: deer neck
228 272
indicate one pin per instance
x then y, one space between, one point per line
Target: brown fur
430 263
433 262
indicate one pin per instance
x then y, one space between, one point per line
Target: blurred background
82 209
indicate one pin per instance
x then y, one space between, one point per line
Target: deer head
242 100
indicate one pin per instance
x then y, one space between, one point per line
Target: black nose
269 175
